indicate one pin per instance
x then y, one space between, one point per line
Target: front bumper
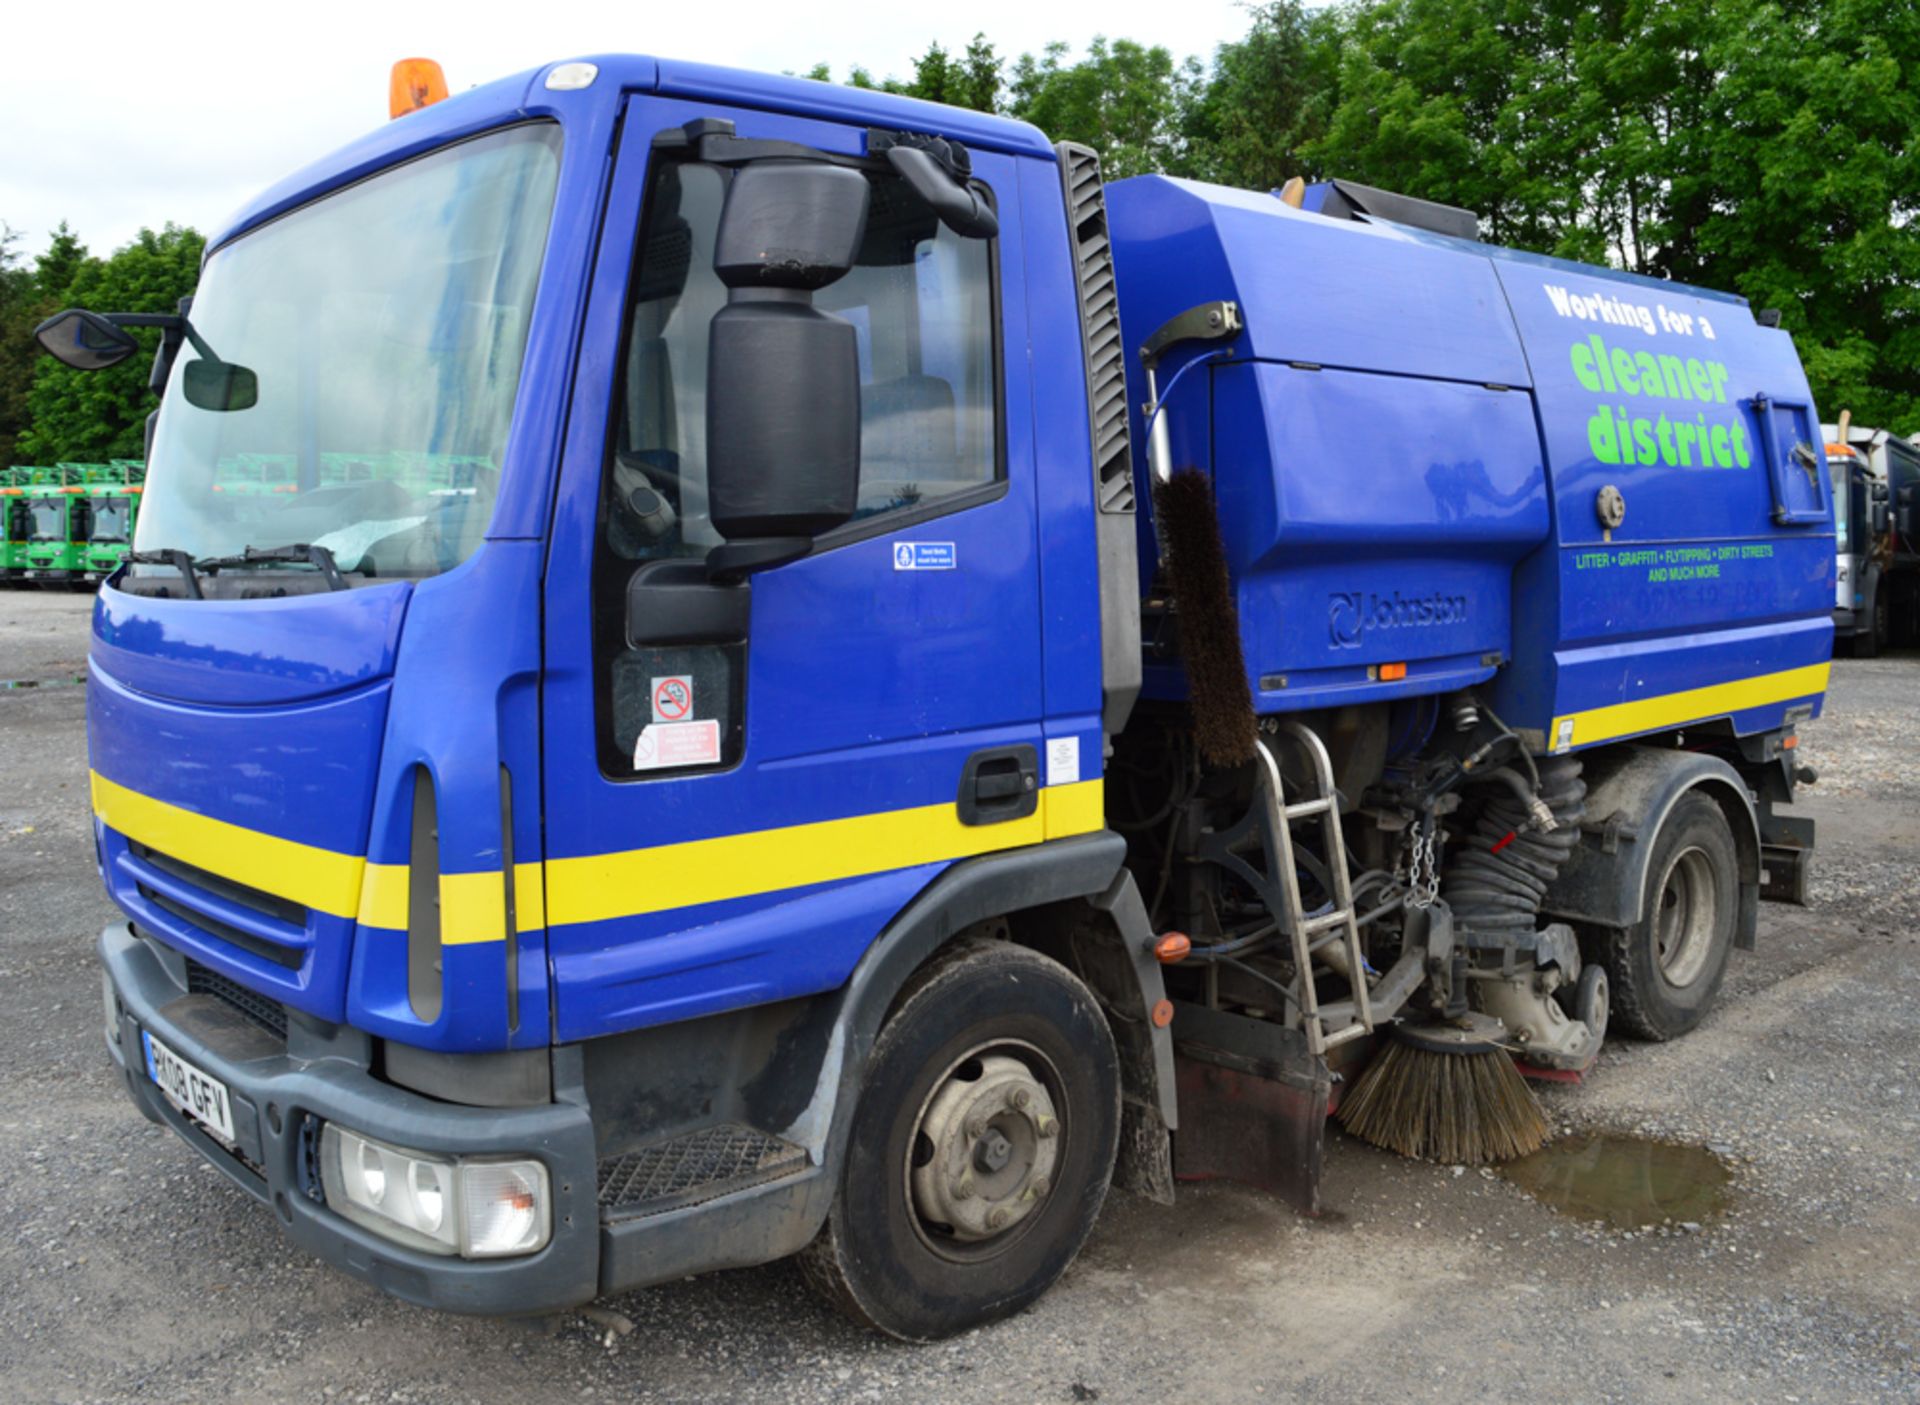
282 1090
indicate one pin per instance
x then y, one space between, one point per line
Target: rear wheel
980 1151
1665 970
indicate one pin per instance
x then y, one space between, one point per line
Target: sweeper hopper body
1588 492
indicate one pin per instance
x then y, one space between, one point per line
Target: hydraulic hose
1497 877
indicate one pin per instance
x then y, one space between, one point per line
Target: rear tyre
980 1151
1665 970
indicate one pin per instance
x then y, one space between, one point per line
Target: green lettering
1649 373
1719 370
1583 367
1600 363
1665 431
1600 436
1717 441
1675 374
1683 436
1643 441
1698 380
1740 454
1623 371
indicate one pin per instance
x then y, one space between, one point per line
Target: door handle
999 784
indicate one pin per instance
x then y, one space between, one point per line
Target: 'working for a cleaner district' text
1617 435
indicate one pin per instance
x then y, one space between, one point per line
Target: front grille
264 903
696 1167
270 1015
279 955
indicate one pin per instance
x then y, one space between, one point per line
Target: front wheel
1665 970
980 1151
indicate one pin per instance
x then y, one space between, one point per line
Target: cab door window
923 304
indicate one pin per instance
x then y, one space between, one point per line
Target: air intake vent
1100 327
1112 453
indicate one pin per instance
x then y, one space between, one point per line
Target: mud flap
1253 1105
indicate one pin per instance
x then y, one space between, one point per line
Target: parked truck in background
1860 520
57 524
742 797
1885 611
113 509
14 524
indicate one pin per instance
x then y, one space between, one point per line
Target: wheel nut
964 1190
1041 1185
996 1219
1046 1126
1018 1097
976 1128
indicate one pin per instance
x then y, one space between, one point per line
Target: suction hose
1498 876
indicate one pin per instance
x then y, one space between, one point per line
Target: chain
1423 871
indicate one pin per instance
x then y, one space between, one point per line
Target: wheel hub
987 1146
1684 924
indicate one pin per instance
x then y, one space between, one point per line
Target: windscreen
47 520
384 326
109 520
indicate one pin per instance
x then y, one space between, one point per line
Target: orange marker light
1162 1014
1392 672
1173 947
1789 743
415 84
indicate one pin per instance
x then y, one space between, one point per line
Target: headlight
477 1209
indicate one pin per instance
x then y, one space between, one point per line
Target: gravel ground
136 1273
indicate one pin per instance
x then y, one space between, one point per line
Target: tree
18 304
1122 99
93 415
1264 100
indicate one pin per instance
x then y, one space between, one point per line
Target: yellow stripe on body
313 877
473 905
603 886
1694 705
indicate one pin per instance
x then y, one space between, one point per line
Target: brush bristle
1460 1108
1217 692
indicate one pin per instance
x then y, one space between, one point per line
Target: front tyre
981 1148
1665 970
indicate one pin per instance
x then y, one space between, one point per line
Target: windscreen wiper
297 553
170 556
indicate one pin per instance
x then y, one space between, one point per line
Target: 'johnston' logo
1352 614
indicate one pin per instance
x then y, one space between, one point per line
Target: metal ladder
1312 935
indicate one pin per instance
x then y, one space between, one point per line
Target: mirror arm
941 173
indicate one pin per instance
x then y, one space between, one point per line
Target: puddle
1627 1182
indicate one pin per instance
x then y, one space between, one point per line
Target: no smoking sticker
673 698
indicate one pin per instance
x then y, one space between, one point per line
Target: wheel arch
1631 792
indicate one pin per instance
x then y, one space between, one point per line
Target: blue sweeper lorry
810 680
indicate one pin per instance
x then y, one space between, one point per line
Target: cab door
742 791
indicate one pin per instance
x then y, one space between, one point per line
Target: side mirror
219 385
84 340
783 378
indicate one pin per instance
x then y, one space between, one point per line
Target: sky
115 115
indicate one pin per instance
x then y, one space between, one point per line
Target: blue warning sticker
924 556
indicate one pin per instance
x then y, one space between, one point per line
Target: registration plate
198 1095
